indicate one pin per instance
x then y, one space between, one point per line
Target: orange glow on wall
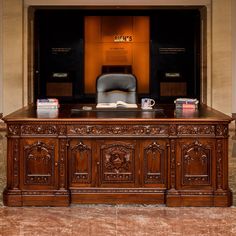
103 48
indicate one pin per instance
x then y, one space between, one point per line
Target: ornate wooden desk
163 156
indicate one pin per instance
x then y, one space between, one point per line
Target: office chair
115 87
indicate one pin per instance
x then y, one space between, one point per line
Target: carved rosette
154 155
196 162
61 129
38 166
135 130
203 130
39 129
13 130
117 163
222 130
81 159
172 130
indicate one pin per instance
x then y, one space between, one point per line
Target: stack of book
186 103
48 103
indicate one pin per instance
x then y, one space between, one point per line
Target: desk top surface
76 112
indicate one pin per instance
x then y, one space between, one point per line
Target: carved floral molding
122 129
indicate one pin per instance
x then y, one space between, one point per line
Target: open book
117 104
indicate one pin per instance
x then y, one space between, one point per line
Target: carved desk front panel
169 160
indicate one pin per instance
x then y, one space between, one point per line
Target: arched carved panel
39 163
196 161
154 158
117 162
80 158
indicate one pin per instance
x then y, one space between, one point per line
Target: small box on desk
186 103
48 103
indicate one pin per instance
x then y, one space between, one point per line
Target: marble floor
119 220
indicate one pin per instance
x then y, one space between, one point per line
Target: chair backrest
116 87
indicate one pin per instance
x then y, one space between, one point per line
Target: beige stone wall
221 55
12 55
1 49
233 27
217 78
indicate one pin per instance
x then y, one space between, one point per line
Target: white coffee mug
147 103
